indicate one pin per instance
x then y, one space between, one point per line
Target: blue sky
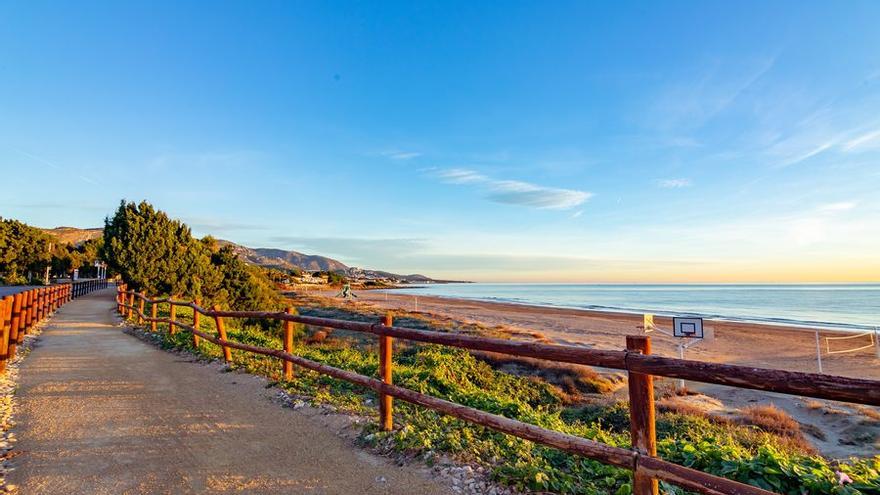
497 141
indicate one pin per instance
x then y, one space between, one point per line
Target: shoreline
800 325
735 342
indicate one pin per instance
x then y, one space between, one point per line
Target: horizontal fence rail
20 312
636 360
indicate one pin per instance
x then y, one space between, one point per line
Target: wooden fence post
16 324
172 311
5 320
196 321
153 308
140 308
287 366
221 331
44 306
41 304
29 310
35 308
38 299
641 415
130 305
26 305
385 365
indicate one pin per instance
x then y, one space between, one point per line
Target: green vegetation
739 452
159 256
26 252
333 278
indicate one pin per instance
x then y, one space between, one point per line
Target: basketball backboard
687 327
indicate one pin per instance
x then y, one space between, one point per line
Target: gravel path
103 413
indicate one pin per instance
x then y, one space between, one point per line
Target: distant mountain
268 257
414 278
73 235
278 258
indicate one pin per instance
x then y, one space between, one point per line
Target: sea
848 307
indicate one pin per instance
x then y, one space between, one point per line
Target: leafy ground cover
743 453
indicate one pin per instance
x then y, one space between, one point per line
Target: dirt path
104 413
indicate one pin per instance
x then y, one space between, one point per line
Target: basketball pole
818 352
681 356
877 340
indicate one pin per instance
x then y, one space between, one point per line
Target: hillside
279 258
268 257
73 235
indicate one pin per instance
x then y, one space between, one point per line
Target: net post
385 370
877 341
641 415
818 352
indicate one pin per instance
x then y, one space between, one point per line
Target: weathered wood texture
286 366
16 323
221 331
196 324
386 363
641 415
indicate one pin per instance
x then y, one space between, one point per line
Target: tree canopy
158 255
23 249
26 252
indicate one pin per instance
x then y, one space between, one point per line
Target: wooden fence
636 360
20 312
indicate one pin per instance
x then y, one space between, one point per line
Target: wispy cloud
514 192
54 166
674 183
218 226
834 207
705 94
209 160
806 155
864 141
461 176
400 154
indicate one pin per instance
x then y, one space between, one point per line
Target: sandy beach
766 346
750 344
